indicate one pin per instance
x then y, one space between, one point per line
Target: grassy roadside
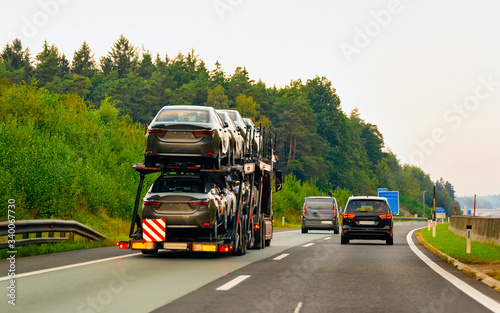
483 256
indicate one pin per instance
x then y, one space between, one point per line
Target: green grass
454 246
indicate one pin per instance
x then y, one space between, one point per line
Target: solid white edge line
483 299
308 245
233 282
284 255
297 309
66 267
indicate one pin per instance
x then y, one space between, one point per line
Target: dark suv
367 218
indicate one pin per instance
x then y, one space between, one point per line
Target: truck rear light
199 202
256 226
206 224
204 247
385 216
224 248
156 131
122 245
149 245
349 216
152 202
204 132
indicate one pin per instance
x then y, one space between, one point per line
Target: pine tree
83 61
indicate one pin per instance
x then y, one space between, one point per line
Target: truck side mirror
279 180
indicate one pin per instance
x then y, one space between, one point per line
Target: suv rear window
182 184
377 206
320 203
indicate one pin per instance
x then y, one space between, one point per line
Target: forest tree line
317 143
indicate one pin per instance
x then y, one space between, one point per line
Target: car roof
367 198
188 107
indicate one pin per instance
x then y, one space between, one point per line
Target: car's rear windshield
180 184
377 206
319 203
176 115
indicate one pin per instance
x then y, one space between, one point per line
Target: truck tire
336 230
241 244
155 251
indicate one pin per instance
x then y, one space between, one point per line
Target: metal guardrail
37 227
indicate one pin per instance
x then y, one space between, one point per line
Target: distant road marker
284 255
308 245
233 282
297 309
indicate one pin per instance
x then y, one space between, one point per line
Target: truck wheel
239 243
304 230
336 230
268 243
155 251
218 161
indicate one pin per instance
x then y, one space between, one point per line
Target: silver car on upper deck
187 134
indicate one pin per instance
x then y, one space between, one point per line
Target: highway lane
364 276
129 283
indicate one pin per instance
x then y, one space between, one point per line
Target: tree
83 61
15 58
217 99
50 64
121 58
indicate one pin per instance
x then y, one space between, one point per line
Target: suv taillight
348 216
385 216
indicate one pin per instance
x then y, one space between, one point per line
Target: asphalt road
298 273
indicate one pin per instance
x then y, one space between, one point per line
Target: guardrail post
51 234
62 234
283 220
468 240
38 235
26 236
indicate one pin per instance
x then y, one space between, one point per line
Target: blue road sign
393 199
440 210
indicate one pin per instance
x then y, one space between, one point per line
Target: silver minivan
320 213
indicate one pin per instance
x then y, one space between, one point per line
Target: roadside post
429 224
434 215
283 221
467 239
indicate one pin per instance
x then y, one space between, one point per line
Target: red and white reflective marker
153 229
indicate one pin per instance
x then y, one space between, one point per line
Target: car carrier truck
247 222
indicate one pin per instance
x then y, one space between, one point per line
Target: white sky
413 68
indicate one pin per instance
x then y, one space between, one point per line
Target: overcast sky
427 73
